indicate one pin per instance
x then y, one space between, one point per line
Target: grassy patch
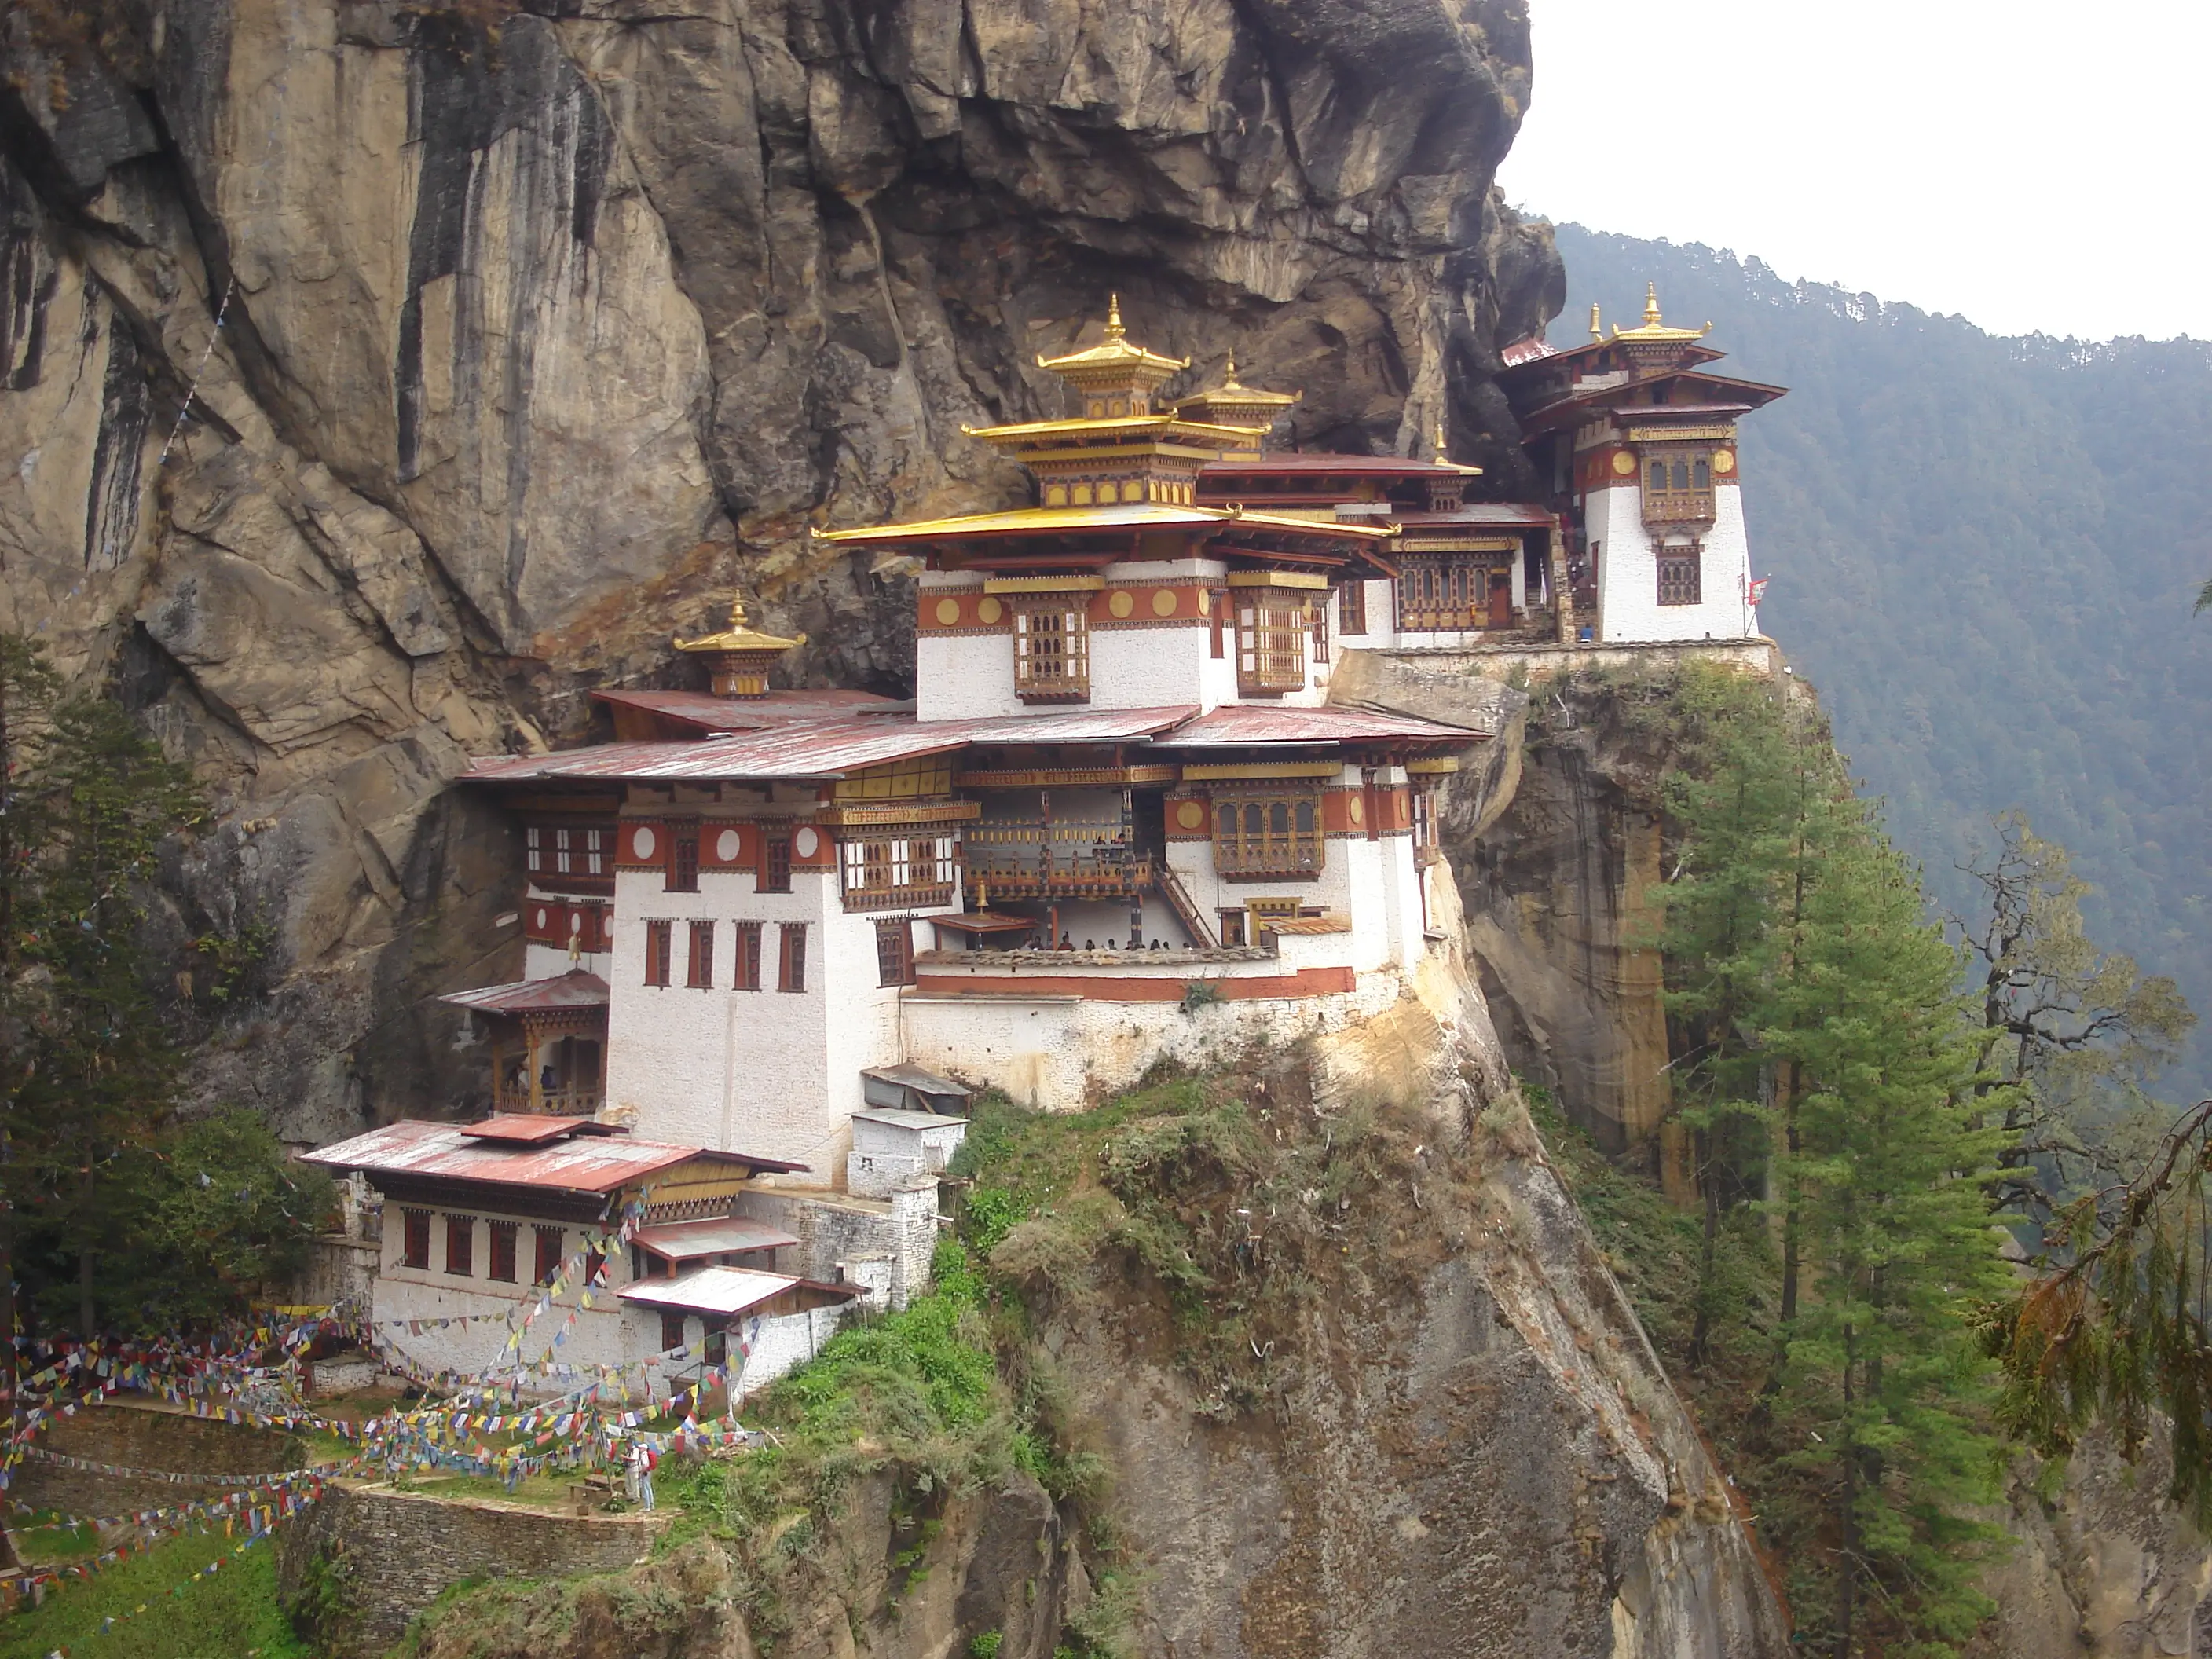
227 1616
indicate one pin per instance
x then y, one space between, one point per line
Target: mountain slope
1985 551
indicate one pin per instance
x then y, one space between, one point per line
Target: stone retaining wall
397 1551
140 1435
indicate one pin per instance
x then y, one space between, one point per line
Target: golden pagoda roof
740 636
1123 516
1128 427
1653 332
1234 391
1113 352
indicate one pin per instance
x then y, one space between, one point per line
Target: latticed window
683 858
894 953
1351 608
746 974
1678 487
700 969
1277 833
1680 579
660 946
1052 649
1271 645
569 857
792 975
897 869
775 865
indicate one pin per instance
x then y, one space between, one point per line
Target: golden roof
1127 515
1232 391
740 636
1653 330
1114 354
1126 428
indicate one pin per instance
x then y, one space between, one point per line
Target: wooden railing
580 1100
1678 506
1070 859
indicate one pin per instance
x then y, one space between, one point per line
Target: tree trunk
1847 1557
1701 1327
85 1328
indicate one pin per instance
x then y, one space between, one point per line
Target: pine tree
1883 1380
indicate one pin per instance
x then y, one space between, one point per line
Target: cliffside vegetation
115 1215
1984 552
1859 1100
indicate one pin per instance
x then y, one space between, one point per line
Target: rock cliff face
543 322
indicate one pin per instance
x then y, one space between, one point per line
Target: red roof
579 1162
530 1129
826 749
1236 724
1508 515
574 989
707 713
1364 467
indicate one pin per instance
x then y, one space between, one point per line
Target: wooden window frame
746 960
682 874
671 1323
659 951
505 1251
699 969
415 1239
1320 636
1272 632
775 863
461 1231
895 952
546 1267
791 957
569 857
1351 608
1285 840
1234 924
1052 648
1681 575
896 870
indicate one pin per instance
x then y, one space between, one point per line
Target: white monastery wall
549 962
1055 1052
1628 572
964 677
770 1072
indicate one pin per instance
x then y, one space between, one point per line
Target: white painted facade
1627 554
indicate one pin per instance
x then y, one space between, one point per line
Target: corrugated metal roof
527 1128
828 749
584 1163
574 989
898 1117
1512 514
1526 351
1360 466
1235 724
687 1241
713 1289
712 714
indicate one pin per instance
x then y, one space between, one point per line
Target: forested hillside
1984 552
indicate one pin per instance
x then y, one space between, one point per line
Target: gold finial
1440 438
1651 304
1596 333
1228 373
1114 328
736 614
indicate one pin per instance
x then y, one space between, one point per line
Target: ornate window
1678 488
792 964
1351 608
567 857
660 947
1444 595
1275 832
1271 629
746 974
1680 580
894 871
894 953
683 858
775 863
1052 648
699 971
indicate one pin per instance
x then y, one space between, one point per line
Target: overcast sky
2028 164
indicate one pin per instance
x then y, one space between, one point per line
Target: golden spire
1228 373
1651 304
1440 438
1596 333
1114 328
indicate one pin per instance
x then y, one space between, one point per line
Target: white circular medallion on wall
576 922
726 845
805 840
544 920
640 841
